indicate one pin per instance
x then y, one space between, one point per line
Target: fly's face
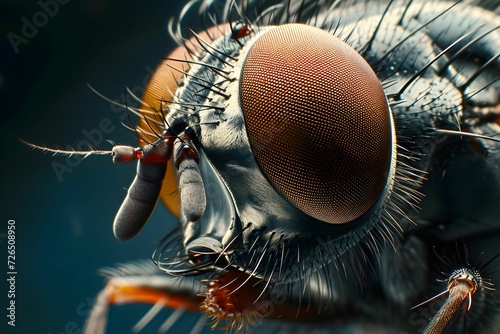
305 160
298 161
292 141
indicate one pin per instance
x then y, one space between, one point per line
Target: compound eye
318 122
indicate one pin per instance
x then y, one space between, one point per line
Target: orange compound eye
318 122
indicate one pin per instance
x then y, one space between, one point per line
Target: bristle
57 151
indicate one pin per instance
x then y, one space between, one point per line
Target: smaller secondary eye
318 122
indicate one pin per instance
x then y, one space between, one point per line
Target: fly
333 165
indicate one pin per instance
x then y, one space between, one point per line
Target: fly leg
462 285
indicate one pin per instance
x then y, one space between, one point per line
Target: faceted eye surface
318 122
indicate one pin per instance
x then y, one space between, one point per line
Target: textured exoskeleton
335 167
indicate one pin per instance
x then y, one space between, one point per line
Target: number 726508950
334 166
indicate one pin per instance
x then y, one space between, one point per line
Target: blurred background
64 208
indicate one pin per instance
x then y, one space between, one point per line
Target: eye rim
388 176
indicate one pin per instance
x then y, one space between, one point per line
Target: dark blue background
64 229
